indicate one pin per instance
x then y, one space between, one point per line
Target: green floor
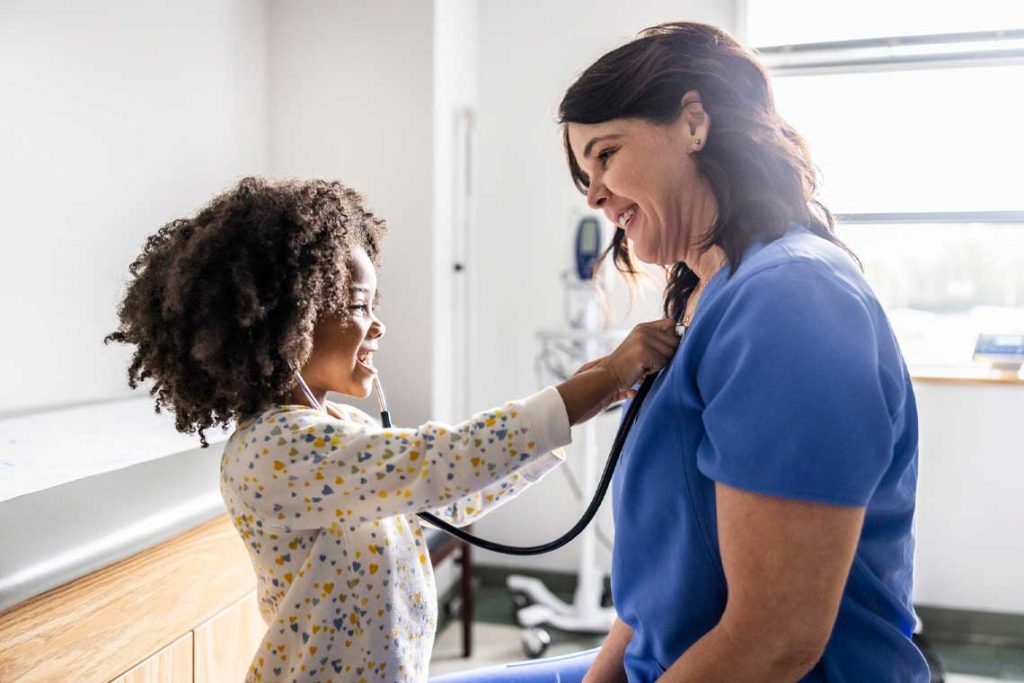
1002 663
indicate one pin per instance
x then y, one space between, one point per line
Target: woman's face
343 346
645 178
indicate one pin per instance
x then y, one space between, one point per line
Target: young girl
251 312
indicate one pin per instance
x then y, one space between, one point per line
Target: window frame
897 53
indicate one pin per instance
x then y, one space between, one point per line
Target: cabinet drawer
224 645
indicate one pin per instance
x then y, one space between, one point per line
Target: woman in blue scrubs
764 500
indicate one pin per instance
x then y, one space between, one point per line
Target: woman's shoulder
799 264
797 247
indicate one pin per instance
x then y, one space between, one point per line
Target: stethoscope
595 503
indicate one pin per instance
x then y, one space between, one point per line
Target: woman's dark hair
758 167
221 306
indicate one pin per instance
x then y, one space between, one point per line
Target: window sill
966 374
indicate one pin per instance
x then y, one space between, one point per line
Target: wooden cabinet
173 664
217 651
183 610
224 645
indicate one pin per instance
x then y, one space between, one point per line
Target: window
914 114
803 22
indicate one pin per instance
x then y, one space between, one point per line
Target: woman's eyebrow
594 141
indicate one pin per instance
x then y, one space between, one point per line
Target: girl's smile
344 344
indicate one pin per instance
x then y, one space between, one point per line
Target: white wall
530 52
455 94
352 99
121 116
116 117
970 552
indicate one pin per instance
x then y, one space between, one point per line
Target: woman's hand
603 381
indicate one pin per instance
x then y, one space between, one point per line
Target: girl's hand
610 379
608 399
646 349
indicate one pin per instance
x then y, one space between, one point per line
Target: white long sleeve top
326 507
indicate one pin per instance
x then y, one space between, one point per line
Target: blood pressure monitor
588 247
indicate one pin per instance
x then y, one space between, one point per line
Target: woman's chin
643 255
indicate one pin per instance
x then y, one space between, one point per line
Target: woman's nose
597 194
377 329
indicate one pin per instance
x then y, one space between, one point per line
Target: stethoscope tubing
588 515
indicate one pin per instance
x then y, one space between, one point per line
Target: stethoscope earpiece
322 407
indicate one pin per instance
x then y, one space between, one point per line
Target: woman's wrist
608 665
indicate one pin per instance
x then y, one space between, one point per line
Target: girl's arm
318 471
473 506
584 394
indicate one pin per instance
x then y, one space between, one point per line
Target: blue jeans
565 669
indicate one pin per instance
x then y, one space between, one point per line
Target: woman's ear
694 120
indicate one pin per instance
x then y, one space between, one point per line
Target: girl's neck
298 396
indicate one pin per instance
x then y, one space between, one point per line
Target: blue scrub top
788 383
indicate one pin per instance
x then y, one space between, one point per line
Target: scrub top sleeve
794 404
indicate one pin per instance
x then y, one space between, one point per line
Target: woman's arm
786 563
608 668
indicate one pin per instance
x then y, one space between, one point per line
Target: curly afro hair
221 306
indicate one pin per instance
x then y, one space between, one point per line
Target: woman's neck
705 264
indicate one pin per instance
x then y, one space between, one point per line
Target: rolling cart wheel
535 642
606 596
452 609
519 601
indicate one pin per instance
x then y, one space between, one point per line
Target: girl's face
343 347
645 178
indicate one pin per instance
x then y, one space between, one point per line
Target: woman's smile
628 218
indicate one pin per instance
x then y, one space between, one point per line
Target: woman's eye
605 155
359 307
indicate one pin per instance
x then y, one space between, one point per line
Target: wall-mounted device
1004 351
588 247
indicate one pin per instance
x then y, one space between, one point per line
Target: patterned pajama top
326 509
